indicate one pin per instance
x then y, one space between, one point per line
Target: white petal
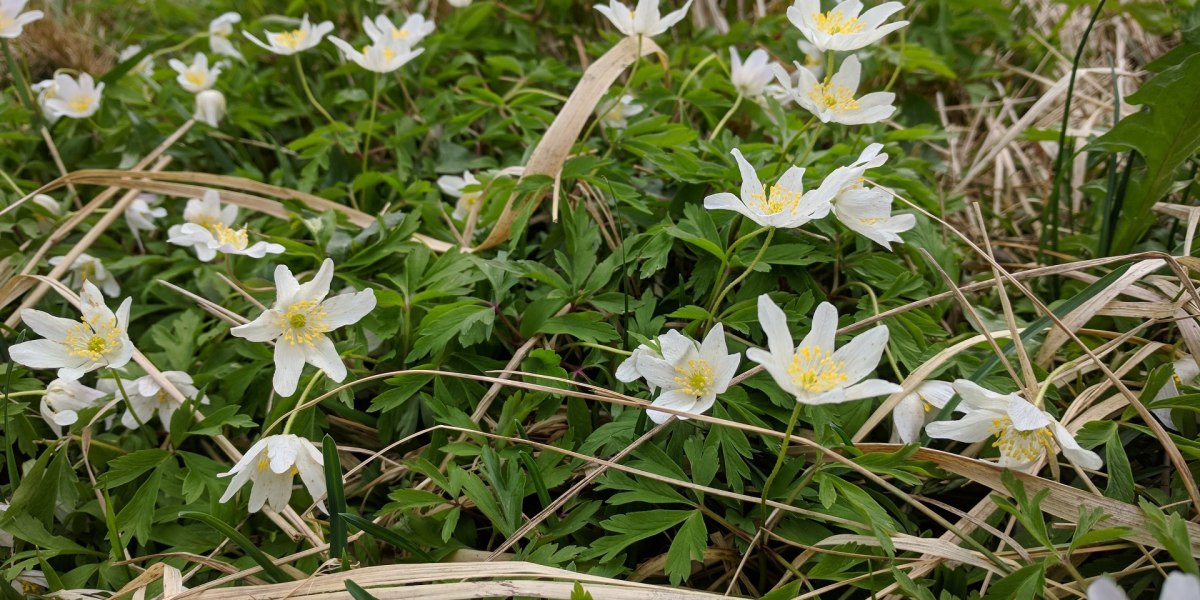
316 289
909 417
774 324
263 329
869 389
751 186
286 286
657 371
1073 451
1103 588
863 353
282 450
289 363
324 356
937 393
972 427
824 328
347 309
1181 586
47 325
1025 416
673 399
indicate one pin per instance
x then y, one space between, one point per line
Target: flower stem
287 426
25 393
128 403
783 448
366 150
725 119
746 273
308 91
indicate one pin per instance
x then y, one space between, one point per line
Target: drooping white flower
1187 372
219 31
835 101
692 382
815 372
46 90
379 57
142 212
918 407
786 206
452 185
99 339
148 398
208 230
210 107
89 268
270 464
49 203
751 77
615 113
31 582
672 346
63 399
644 20
1023 431
383 31
75 98
298 322
868 211
287 43
145 67
12 20
843 28
1178 586
197 76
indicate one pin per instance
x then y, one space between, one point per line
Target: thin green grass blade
385 535
357 591
270 569
337 500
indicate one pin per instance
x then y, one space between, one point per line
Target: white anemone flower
916 408
1023 431
145 67
298 322
208 230
845 27
210 107
383 31
815 372
148 398
197 76
786 206
141 214
64 399
46 90
12 20
99 339
751 77
644 20
287 43
692 382
615 113
869 213
47 202
270 464
835 101
1178 586
453 185
378 57
1187 372
31 582
89 268
672 346
219 31
75 98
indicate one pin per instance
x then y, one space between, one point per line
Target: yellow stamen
814 370
238 238
196 78
291 39
696 379
93 340
835 22
781 199
399 34
1020 445
833 97
80 104
303 322
264 462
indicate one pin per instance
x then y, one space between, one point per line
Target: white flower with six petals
378 57
75 98
148 398
89 268
219 31
835 101
287 43
99 339
843 28
750 78
615 113
919 406
692 381
383 31
672 346
452 185
644 20
197 76
270 464
786 206
208 230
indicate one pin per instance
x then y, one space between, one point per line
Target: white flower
615 113
814 371
783 89
196 77
1023 431
869 212
6 539
63 399
692 381
99 339
46 90
269 466
916 408
47 202
142 212
209 230
300 39
786 206
750 78
75 98
452 185
672 346
378 57
843 28
219 31
834 101
89 268
12 20
644 20
1186 373
210 107
383 32
148 398
459 3
298 322
1178 586
31 583
145 67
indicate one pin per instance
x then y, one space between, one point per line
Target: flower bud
210 107
48 203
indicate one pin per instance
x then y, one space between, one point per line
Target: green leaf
1171 531
123 469
631 528
258 556
587 326
336 500
385 535
452 321
138 514
578 593
1025 583
689 544
356 590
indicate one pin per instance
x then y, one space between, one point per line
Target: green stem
828 66
746 273
783 448
23 90
720 283
128 403
1040 401
287 427
25 393
812 142
371 122
725 119
787 147
176 47
308 91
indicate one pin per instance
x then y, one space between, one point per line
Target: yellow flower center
196 78
781 199
80 103
264 462
814 370
388 53
87 271
870 220
835 22
238 238
93 340
303 322
162 396
696 379
399 34
1020 445
6 22
291 39
833 97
